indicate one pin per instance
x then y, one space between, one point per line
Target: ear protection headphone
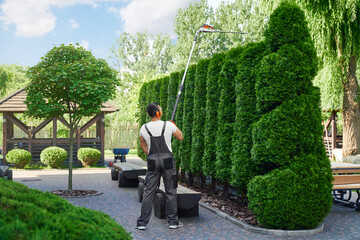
158 110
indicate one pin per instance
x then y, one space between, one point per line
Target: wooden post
78 135
54 131
333 132
4 138
102 137
29 139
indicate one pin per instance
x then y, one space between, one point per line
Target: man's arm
143 145
178 135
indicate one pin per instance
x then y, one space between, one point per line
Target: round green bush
53 156
88 156
19 157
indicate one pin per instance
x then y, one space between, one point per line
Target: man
155 141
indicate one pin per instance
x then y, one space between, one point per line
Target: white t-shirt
155 129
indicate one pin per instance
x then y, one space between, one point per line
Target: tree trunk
71 150
226 192
214 184
203 182
351 112
191 180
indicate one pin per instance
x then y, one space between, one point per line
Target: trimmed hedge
243 168
188 113
164 96
211 121
53 157
88 156
31 214
172 93
197 149
19 157
295 191
226 115
176 144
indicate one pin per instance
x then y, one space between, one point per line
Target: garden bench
346 181
187 200
5 172
127 173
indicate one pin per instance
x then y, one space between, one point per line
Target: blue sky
30 28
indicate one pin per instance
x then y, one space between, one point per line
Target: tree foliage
69 82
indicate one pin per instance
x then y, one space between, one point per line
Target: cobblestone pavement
122 205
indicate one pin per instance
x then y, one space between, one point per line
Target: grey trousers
157 167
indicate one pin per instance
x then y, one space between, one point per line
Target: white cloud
153 15
85 44
33 18
74 23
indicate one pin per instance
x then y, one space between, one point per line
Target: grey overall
160 162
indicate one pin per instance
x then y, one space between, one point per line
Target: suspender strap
163 130
148 130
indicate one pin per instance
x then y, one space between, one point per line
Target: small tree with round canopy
69 82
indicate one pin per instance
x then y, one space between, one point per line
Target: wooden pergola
15 103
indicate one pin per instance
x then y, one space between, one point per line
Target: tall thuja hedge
226 116
149 96
156 93
243 167
211 121
164 96
197 146
142 115
295 193
188 113
172 93
176 145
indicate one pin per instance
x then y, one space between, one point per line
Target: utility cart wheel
140 191
114 174
123 181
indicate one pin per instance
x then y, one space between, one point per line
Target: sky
31 28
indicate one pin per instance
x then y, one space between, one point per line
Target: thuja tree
156 92
226 117
142 115
149 96
164 96
69 82
197 145
176 145
172 93
295 192
243 167
188 113
211 120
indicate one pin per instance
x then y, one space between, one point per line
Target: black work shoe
139 227
175 226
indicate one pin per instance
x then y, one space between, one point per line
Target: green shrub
242 164
172 93
176 144
197 149
19 157
211 121
188 113
88 156
53 156
226 115
295 191
31 214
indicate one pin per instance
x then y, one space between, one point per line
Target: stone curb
273 232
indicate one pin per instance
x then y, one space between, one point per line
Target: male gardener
155 140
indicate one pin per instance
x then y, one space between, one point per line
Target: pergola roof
15 103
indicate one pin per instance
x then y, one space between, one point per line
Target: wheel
140 191
10 175
123 181
114 174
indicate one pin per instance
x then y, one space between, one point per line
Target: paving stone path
122 205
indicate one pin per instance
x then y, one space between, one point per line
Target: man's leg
170 183
150 186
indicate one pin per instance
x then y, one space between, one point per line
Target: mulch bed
76 193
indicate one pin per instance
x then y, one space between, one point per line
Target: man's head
154 110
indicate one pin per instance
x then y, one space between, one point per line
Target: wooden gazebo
15 103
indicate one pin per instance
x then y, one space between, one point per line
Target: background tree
142 115
69 82
335 31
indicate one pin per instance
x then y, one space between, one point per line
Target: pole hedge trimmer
207 29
